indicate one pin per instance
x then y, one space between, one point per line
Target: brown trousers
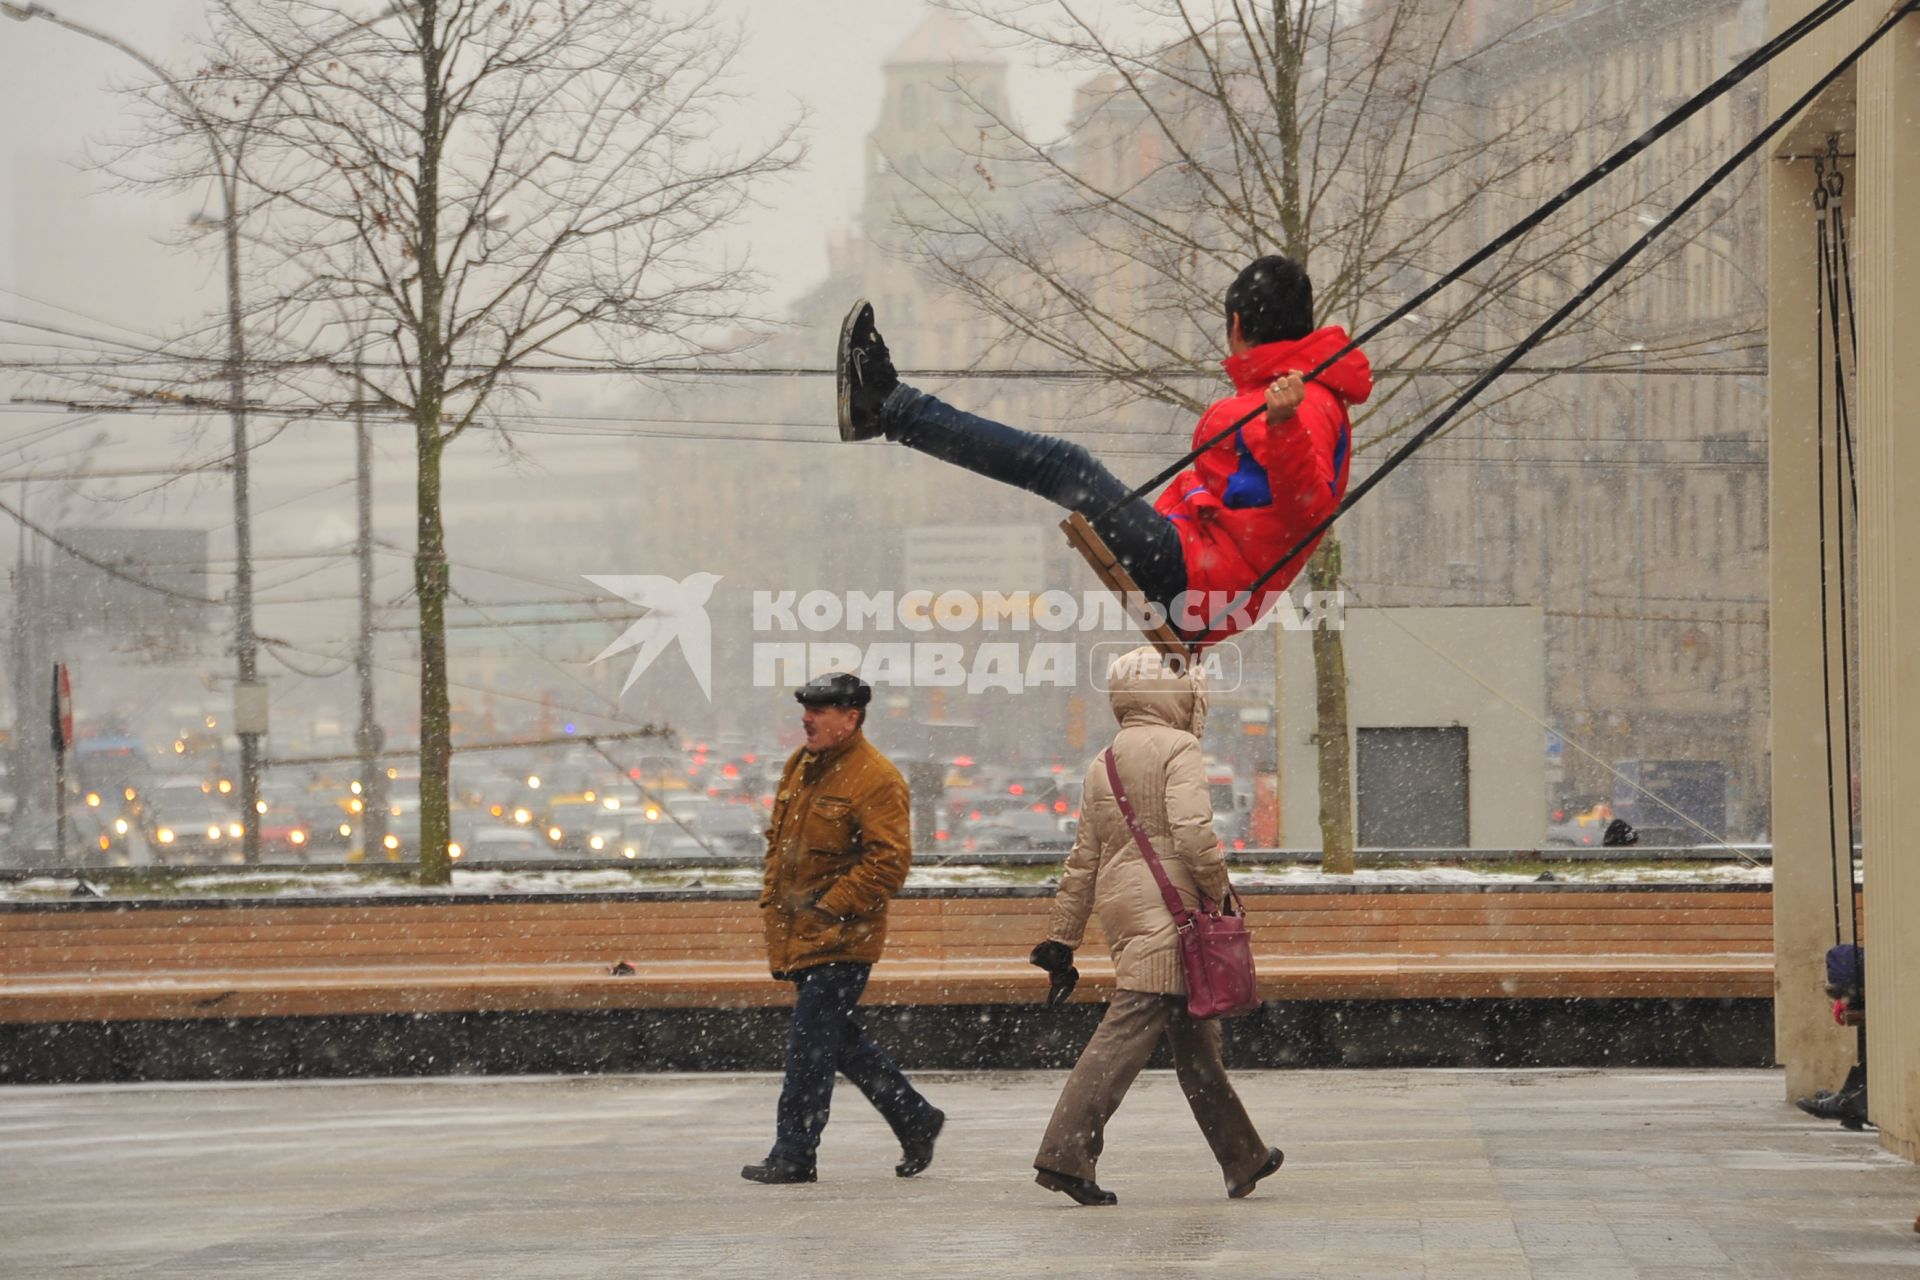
1134 1023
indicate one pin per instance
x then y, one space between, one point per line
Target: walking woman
1157 756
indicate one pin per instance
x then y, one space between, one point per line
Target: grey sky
75 241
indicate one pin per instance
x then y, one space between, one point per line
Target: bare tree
477 186
1354 138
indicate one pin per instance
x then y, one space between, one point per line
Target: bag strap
1230 906
1181 916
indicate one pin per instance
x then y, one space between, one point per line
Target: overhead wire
1579 299
1753 62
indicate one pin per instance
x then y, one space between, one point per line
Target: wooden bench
118 961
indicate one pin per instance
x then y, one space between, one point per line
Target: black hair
1273 298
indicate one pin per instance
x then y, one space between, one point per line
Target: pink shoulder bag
1216 951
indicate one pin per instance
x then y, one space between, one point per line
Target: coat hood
1144 689
1350 377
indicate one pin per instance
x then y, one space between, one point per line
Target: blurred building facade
1627 506
1631 506
1625 498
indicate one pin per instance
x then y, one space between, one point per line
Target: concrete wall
1484 668
1877 113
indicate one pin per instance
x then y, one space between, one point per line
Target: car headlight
165 835
213 833
235 830
554 834
522 817
120 826
454 851
597 843
298 837
392 842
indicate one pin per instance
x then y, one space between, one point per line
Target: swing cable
1831 271
1539 334
1759 58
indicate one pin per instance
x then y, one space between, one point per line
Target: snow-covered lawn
481 881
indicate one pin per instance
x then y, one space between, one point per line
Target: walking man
838 848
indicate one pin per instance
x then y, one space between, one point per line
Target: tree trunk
1331 732
430 550
430 582
1323 570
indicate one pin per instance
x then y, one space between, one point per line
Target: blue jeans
825 1037
1058 470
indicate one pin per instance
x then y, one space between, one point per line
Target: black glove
1057 959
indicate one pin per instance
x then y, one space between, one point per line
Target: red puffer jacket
1250 498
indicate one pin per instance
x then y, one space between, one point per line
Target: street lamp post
250 703
250 695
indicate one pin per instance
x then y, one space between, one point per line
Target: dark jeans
1058 470
825 1037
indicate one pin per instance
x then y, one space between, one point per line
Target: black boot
917 1154
1082 1190
862 373
775 1171
1848 1104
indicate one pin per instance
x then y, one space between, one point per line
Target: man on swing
1244 503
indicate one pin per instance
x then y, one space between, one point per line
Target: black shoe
1083 1190
1848 1106
774 1170
862 374
918 1154
1275 1158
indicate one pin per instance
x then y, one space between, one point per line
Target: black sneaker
862 374
915 1156
773 1170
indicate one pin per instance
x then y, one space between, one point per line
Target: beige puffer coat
1158 754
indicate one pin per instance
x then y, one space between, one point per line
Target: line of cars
569 804
577 806
1014 810
622 823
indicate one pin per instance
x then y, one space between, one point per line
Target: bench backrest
135 938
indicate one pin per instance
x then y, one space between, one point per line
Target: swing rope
1831 271
1759 58
1552 322
1821 281
1833 281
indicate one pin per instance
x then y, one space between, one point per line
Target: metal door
1412 788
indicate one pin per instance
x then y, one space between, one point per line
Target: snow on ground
478 881
1731 873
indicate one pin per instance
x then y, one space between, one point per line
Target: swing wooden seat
1114 577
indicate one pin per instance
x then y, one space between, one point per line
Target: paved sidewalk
1477 1175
